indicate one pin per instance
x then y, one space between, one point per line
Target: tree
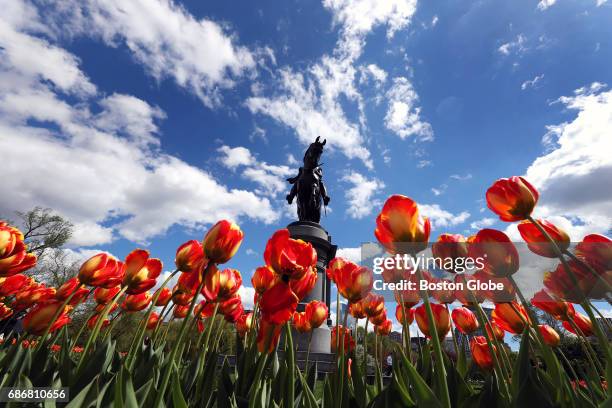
42 229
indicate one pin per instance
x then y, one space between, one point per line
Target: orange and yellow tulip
164 296
582 322
349 342
354 282
316 313
136 303
400 228
38 320
91 323
12 284
153 321
222 241
558 309
399 314
549 335
263 279
231 308
5 312
511 317
72 287
496 251
14 257
448 248
288 256
384 328
244 324
278 303
189 256
102 270
301 323
441 320
493 330
373 304
513 199
104 295
356 310
180 312
465 320
141 272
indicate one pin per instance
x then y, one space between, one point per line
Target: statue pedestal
326 251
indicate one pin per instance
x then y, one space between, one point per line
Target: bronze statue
308 185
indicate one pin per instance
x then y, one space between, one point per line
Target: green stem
342 356
308 353
83 326
365 348
291 363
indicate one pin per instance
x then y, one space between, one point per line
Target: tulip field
183 364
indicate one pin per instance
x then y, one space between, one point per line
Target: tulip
204 309
180 297
32 295
556 308
496 251
511 317
288 256
349 342
244 324
14 257
55 348
189 256
103 295
302 286
506 294
91 323
538 243
384 328
596 250
268 336
102 270
263 279
399 314
466 296
354 282
513 199
190 282
37 321
222 241
301 323
229 283
465 320
373 304
5 312
77 349
12 284
441 319
356 310
73 288
231 308
582 322
481 354
164 296
278 304
136 303
562 284
493 330
141 272
379 318
180 312
316 313
549 335
400 227
448 248
153 321
442 295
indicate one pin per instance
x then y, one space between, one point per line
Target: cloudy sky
145 121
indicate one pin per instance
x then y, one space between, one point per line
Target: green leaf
178 401
527 387
422 393
81 399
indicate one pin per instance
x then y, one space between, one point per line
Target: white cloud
247 294
403 114
235 156
200 55
544 4
439 190
532 83
518 45
482 223
352 254
361 196
572 175
460 177
424 163
441 218
373 72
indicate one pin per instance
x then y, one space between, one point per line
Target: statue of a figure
308 185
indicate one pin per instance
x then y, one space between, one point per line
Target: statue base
326 251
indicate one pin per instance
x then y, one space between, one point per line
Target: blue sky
144 122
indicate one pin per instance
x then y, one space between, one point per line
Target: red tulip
180 312
538 243
596 250
153 321
39 318
349 342
263 279
448 248
204 309
301 323
189 256
288 256
441 320
32 295
102 270
136 303
570 288
222 241
100 308
91 323
180 297
221 285
231 308
442 295
507 294
493 330
511 317
399 314
141 271
14 257
164 296
304 285
354 282
356 310
400 228
373 304
316 313
584 324
384 328
496 251
278 303
379 318
466 296
465 320
556 308
13 284
549 335
5 312
481 354
244 324
72 287
268 336
513 199
103 295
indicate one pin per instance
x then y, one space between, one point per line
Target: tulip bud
153 321
164 296
464 320
354 282
379 318
400 228
72 287
384 328
448 248
349 342
222 241
263 279
549 335
39 318
189 256
538 243
103 295
180 312
513 199
481 354
316 313
301 323
399 314
558 309
231 308
244 324
583 323
493 330
136 303
356 310
511 317
373 304
440 316
496 251
102 270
